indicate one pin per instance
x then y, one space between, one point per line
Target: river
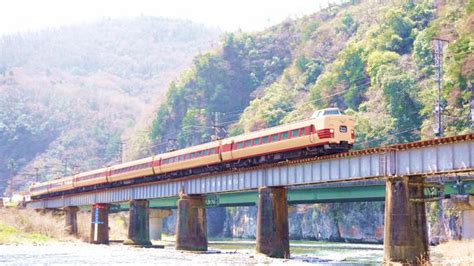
221 252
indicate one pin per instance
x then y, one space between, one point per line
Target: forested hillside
69 95
373 59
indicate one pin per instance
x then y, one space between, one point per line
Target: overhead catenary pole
219 130
121 151
65 172
438 44
36 174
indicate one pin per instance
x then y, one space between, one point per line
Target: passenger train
326 132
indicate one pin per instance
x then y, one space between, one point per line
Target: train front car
327 132
333 131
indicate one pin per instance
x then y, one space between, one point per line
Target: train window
284 135
302 132
212 151
248 143
256 141
199 154
265 139
165 161
181 157
274 137
295 133
193 155
240 145
331 112
206 152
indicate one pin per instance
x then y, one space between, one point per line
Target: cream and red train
328 131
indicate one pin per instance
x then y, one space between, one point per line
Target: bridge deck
447 156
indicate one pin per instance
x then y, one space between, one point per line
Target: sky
247 15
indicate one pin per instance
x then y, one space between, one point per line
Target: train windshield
326 112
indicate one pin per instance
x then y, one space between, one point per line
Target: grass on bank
11 235
29 226
26 226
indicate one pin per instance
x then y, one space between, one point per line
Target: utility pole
215 123
438 44
65 165
218 129
121 151
172 144
36 174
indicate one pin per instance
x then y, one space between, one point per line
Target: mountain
70 95
373 59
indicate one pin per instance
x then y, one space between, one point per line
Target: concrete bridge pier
100 223
406 234
272 222
156 222
466 204
191 226
70 215
138 226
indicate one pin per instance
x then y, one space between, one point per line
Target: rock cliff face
346 222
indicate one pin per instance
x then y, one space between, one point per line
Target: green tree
377 59
399 90
349 26
397 32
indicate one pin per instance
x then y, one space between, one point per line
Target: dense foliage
68 95
373 59
220 82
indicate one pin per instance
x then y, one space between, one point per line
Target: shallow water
314 251
221 252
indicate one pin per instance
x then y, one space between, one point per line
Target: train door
108 173
312 134
220 150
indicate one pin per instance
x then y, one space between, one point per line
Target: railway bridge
404 175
